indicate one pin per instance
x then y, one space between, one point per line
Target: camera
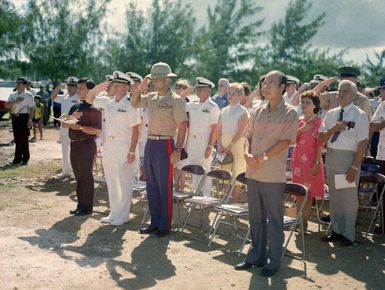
350 125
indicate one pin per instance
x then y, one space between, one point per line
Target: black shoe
83 212
24 163
74 211
325 219
14 163
267 272
346 242
242 266
378 230
147 230
332 237
161 234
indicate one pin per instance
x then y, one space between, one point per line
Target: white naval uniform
379 116
202 116
120 118
67 102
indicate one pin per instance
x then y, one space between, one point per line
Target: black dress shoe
14 163
242 266
346 242
83 212
332 237
267 272
161 234
24 163
74 211
147 230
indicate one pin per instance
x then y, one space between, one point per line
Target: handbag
227 159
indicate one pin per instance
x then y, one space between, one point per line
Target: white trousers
119 176
196 149
65 142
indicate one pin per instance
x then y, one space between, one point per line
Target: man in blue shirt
221 98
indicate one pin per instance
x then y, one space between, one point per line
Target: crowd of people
147 129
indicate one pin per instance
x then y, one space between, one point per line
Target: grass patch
30 171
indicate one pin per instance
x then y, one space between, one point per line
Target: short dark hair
89 82
312 95
246 88
261 80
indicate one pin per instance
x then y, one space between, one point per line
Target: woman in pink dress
306 160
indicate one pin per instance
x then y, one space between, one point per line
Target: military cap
37 96
319 77
201 82
72 81
109 78
348 71
22 79
120 77
161 70
382 82
134 76
292 80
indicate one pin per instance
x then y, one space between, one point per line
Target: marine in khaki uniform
166 114
329 100
203 123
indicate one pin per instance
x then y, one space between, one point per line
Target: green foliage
374 70
61 36
225 45
289 48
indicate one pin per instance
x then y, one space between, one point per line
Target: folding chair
204 202
141 188
233 211
297 190
179 196
370 198
98 171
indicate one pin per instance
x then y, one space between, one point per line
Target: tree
224 46
165 35
289 48
10 23
61 37
374 70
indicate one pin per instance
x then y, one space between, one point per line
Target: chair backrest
369 159
370 167
373 178
296 189
242 178
194 169
220 174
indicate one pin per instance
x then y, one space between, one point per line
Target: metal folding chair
141 188
233 211
179 196
204 202
370 198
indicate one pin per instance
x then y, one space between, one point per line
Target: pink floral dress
303 156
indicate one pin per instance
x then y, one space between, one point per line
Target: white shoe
114 223
106 219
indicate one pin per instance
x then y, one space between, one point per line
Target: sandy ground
43 247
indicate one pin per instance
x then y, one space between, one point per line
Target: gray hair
353 87
237 87
223 80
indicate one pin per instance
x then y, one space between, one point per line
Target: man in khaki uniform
166 113
329 100
272 128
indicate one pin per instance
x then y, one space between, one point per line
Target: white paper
66 119
341 182
221 157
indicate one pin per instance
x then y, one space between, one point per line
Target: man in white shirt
120 152
67 102
203 124
290 95
21 104
346 131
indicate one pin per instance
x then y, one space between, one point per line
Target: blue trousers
159 177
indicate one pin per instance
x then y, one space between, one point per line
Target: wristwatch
178 150
81 128
131 153
265 157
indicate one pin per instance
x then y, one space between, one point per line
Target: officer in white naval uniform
120 146
67 102
203 122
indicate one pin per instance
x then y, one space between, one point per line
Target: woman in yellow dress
232 123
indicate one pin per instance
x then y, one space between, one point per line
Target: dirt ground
43 247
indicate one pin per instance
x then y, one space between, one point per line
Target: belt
153 137
193 136
80 140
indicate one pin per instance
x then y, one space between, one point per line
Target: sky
357 25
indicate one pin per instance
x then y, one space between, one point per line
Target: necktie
340 118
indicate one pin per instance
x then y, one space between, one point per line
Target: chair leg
214 221
244 241
187 217
215 227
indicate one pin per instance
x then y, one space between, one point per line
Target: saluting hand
143 85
